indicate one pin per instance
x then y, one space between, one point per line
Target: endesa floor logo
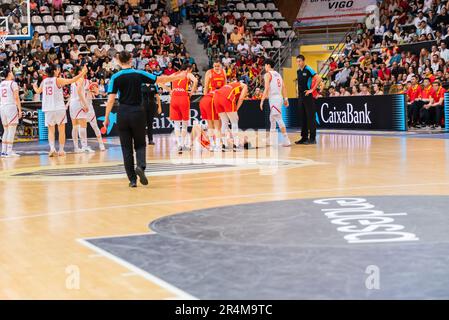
112 122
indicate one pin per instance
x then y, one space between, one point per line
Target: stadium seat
124 37
266 44
247 15
69 19
80 38
262 23
45 10
275 24
69 9
36 20
271 6
119 47
59 19
236 15
23 19
136 36
42 38
93 47
260 6
240 6
65 38
39 29
106 47
153 7
52 29
91 38
63 29
281 35
253 24
100 8
48 19
250 6
283 24
277 15
76 9
130 47
56 39
267 15
257 15
277 44
89 8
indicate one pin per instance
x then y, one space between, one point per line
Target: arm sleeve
112 86
311 71
147 77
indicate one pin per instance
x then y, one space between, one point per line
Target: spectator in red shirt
434 109
153 63
268 30
414 103
384 73
169 70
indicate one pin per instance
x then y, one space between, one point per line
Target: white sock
83 136
94 126
184 133
210 134
75 131
52 145
5 140
11 135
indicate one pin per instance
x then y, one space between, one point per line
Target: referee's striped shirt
127 83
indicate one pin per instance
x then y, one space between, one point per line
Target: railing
337 50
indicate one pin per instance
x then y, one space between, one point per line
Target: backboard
16 19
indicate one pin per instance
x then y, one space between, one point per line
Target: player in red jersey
215 78
228 100
180 105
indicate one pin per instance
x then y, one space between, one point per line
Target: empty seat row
259 16
52 29
47 19
252 7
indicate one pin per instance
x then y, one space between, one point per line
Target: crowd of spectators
158 43
231 40
400 43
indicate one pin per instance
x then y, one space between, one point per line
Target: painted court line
148 276
143 204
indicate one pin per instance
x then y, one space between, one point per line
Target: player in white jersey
78 113
53 105
276 93
10 112
92 90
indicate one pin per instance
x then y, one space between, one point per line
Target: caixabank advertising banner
386 112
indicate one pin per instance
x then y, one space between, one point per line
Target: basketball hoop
3 35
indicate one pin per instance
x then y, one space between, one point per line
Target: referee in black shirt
306 102
131 115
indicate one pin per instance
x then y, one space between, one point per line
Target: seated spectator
257 94
236 37
243 48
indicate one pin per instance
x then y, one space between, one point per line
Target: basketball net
3 35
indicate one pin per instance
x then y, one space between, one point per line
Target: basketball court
234 225
359 215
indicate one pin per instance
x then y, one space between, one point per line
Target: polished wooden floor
41 220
